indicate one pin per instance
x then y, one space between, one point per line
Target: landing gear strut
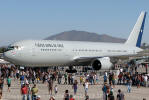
71 70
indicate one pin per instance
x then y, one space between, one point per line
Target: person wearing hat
38 97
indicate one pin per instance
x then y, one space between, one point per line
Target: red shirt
71 99
24 90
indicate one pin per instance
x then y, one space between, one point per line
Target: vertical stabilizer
135 36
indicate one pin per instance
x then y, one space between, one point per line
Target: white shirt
86 84
55 88
145 78
121 70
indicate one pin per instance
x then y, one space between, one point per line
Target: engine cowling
102 63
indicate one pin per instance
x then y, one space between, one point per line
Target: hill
84 36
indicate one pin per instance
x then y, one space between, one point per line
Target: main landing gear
71 70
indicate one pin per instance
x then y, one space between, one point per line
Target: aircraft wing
88 59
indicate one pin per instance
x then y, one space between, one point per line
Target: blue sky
38 19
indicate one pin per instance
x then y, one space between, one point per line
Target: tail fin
135 36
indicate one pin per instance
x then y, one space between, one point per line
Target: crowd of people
124 76
29 77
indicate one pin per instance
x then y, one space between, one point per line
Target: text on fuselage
49 45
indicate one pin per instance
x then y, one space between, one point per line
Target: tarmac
94 92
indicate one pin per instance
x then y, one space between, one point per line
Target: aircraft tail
135 36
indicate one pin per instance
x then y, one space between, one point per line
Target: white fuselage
63 53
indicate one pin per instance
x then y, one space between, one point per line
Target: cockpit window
12 48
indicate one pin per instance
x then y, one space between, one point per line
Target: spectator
22 78
29 91
1 87
120 78
59 78
55 89
1 82
24 91
120 95
71 97
50 85
52 98
87 97
97 79
104 89
129 83
105 77
65 76
75 86
34 91
145 81
86 85
66 95
9 83
38 97
17 74
111 96
81 79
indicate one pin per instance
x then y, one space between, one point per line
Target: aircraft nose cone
7 56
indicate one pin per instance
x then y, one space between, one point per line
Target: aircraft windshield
12 48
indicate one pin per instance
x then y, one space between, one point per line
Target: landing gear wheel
71 70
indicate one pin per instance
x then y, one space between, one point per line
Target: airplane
36 53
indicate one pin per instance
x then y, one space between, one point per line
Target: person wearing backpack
120 95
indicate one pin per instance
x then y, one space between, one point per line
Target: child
55 89
37 80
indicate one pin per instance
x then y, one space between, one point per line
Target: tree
2 49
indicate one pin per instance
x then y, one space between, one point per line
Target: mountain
84 36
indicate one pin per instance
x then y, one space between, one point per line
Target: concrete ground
95 92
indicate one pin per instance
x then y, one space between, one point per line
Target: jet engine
102 63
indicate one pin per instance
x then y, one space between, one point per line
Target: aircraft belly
46 60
